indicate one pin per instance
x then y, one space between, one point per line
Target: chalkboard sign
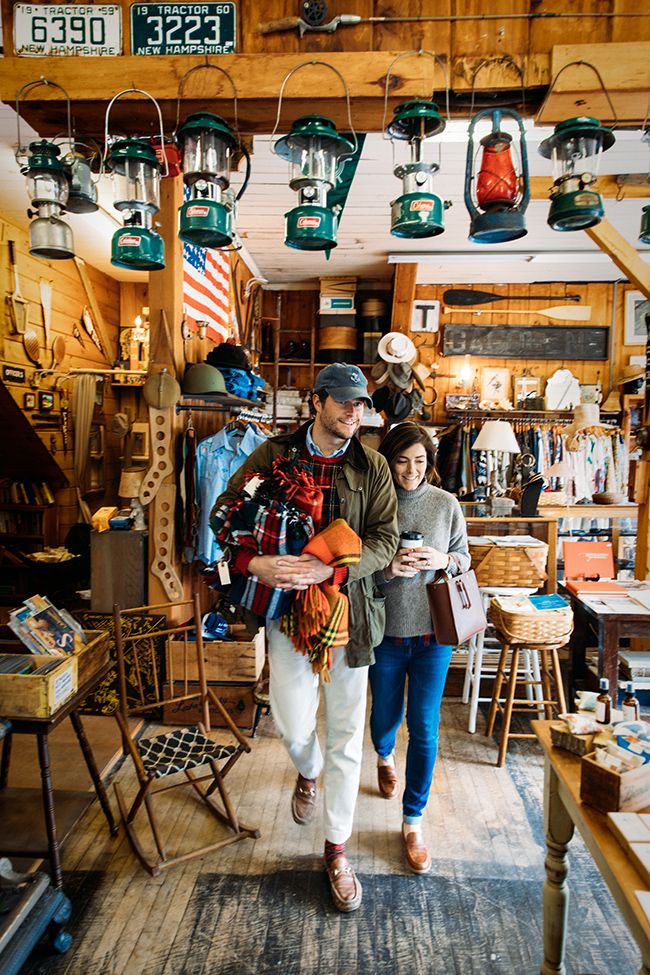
527 341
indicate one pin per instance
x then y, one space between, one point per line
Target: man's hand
289 571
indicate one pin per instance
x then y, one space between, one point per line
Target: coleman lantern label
421 205
309 221
128 240
198 211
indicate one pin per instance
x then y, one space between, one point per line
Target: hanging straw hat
396 347
420 373
379 373
585 416
400 374
613 403
630 373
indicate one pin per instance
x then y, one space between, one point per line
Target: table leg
608 654
559 831
48 809
6 759
92 768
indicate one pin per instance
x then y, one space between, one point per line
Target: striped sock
333 850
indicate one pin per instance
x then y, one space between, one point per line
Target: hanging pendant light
418 212
575 149
207 143
136 171
498 195
83 188
316 153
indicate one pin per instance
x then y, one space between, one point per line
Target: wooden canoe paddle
468 296
567 313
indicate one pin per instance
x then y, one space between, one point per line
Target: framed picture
637 307
29 401
45 401
140 441
526 388
495 384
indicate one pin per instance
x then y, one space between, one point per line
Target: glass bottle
630 705
603 703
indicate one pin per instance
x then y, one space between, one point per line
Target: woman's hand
402 566
427 559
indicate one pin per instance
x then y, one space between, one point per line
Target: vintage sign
67 30
13 374
183 28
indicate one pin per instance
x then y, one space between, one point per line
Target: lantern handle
139 91
585 64
437 60
336 71
27 89
504 59
203 67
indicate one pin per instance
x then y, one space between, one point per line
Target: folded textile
317 620
287 480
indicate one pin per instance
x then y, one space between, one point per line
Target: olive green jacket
369 505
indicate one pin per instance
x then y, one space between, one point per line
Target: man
357 486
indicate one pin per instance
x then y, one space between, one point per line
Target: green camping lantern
136 173
418 211
48 187
575 149
315 152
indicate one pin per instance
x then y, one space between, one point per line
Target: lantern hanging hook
437 60
306 64
126 91
584 64
27 89
508 61
202 67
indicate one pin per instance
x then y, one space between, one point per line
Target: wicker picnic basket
509 565
548 626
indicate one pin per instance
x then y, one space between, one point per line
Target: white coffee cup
411 540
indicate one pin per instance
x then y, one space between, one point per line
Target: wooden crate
612 791
237 699
226 661
92 656
577 744
38 695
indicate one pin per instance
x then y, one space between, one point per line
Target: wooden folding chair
143 668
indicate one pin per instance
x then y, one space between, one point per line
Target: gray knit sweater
439 517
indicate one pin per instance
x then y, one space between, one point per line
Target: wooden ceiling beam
607 186
623 254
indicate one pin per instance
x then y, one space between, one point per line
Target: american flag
206 289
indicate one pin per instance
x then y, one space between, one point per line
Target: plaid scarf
317 620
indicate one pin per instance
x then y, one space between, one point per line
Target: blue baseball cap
343 382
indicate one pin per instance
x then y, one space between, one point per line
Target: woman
409 646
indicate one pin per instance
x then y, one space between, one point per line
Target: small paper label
63 686
224 573
252 486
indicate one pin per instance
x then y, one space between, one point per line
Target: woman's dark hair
405 435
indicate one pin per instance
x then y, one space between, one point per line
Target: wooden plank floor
263 906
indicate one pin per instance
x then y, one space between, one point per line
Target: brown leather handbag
456 608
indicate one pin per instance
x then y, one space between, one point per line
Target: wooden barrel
337 343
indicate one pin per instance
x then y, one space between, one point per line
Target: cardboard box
235 661
237 699
38 695
613 791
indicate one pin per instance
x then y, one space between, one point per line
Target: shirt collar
315 451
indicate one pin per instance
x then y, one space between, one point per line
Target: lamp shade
562 468
130 482
497 435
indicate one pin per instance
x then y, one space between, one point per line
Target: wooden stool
549 668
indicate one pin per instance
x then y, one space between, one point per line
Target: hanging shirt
217 459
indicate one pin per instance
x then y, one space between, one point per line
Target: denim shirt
217 459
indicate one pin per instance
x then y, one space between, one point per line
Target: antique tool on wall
468 296
46 304
18 306
76 332
58 350
556 312
98 319
89 325
32 346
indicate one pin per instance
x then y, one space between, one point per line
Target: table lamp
129 488
563 470
496 436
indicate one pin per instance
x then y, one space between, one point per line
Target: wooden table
610 628
564 812
21 810
497 525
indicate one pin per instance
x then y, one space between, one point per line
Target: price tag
252 486
67 30
224 573
182 28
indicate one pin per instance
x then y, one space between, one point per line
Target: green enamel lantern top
206 122
133 149
305 130
416 118
44 155
571 129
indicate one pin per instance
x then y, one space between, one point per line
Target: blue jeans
426 663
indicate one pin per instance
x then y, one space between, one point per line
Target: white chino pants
294 692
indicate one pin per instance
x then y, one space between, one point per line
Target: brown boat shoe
346 889
416 853
303 800
387 781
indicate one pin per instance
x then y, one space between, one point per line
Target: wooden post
622 253
403 296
